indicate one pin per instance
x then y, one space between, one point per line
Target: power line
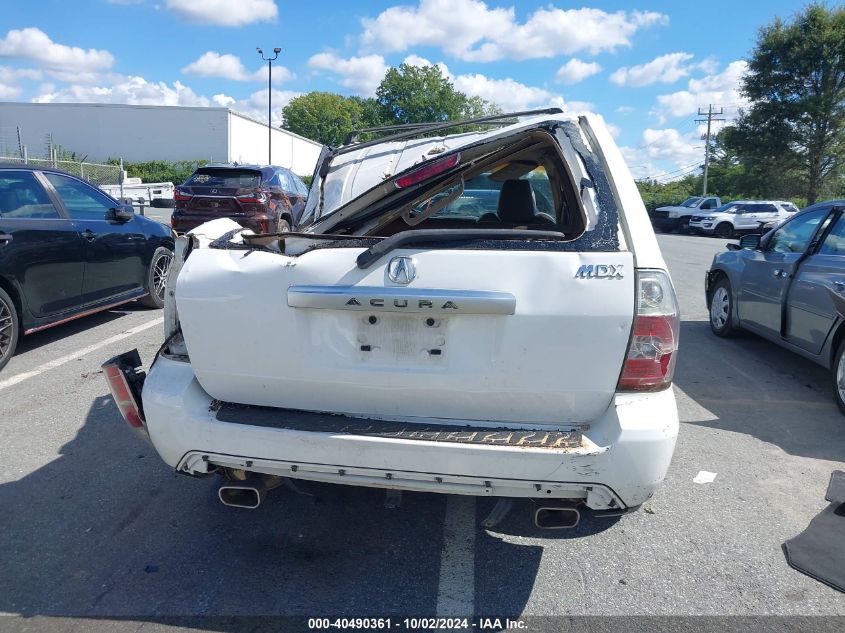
694 166
666 179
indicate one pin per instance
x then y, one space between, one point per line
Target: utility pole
710 112
269 61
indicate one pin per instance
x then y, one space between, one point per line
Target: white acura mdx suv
409 337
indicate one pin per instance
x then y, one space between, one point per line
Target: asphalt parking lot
94 525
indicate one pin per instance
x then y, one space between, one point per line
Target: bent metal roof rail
410 130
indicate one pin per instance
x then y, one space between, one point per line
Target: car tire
837 373
283 226
724 230
157 277
683 226
9 328
721 309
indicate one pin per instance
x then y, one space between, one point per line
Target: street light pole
269 61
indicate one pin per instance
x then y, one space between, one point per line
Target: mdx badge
600 271
401 270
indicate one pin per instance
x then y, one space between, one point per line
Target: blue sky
646 67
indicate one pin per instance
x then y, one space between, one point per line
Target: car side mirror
750 241
121 213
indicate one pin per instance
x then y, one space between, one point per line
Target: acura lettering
422 304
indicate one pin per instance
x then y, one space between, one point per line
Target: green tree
421 94
323 116
796 85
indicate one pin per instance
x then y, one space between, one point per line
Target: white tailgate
550 354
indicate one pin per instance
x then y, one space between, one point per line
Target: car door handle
5 237
89 235
780 273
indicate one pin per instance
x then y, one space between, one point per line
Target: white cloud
576 70
34 45
213 64
8 92
255 105
508 94
225 12
360 74
665 69
224 101
470 30
718 89
132 90
623 109
614 130
664 153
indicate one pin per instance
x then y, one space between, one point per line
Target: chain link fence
95 173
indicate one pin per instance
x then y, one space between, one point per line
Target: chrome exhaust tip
248 494
561 516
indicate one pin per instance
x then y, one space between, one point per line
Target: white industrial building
139 133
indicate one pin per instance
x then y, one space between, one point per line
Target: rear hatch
517 331
220 191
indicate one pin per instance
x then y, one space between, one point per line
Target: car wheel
283 226
725 230
721 309
683 226
9 328
838 375
157 278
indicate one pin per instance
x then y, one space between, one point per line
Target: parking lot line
456 588
14 380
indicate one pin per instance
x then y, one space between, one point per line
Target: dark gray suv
788 286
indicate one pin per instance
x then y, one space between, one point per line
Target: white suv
407 339
742 216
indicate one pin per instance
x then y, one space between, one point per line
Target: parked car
67 250
264 199
742 216
677 217
527 354
788 286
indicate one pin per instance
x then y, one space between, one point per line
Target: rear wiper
422 236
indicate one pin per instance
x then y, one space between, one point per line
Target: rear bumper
624 456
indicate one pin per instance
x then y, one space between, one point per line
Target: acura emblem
401 270
214 191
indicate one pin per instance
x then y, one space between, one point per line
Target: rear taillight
254 198
264 226
428 171
650 362
116 371
181 196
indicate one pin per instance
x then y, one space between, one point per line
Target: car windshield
223 177
690 202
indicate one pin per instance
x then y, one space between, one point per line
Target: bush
176 172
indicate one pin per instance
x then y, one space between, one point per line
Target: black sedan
68 250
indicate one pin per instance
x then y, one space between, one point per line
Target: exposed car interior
525 185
